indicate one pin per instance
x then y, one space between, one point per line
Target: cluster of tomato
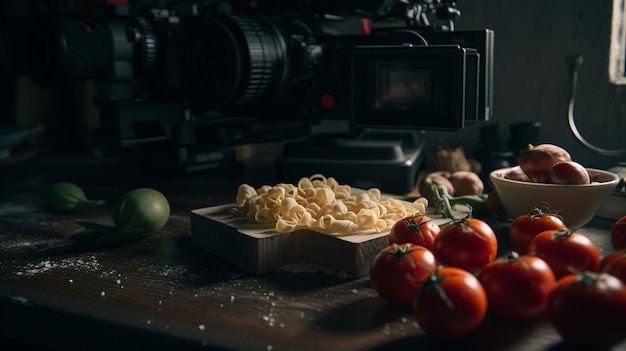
450 276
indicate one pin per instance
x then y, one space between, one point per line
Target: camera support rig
183 82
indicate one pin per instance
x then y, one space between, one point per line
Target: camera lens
245 61
67 49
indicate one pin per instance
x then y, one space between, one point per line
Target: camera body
293 67
192 79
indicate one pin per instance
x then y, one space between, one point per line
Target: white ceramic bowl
577 204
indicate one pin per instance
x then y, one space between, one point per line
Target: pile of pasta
323 205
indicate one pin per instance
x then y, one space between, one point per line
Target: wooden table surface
59 292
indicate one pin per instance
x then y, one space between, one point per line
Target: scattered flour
16 244
77 264
174 272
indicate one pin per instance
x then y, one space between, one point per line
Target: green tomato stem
444 201
442 198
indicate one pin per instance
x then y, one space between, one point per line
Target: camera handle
416 16
448 13
417 13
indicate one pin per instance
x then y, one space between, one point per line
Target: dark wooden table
57 291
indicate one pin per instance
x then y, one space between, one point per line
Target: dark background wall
534 39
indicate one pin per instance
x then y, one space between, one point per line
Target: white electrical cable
577 61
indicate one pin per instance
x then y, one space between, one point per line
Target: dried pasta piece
263 189
324 196
322 204
342 227
366 218
283 225
305 220
245 192
343 192
293 210
265 215
374 193
313 208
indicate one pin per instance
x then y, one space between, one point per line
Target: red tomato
416 229
618 234
468 243
396 270
517 286
615 264
525 227
451 303
589 309
565 251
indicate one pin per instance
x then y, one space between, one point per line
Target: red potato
537 161
569 172
466 183
593 176
438 177
516 173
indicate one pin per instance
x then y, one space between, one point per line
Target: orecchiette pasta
323 205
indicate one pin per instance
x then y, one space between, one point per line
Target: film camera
195 78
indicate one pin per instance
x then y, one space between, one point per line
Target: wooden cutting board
259 248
